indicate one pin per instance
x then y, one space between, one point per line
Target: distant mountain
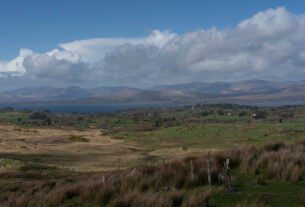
46 94
123 95
246 92
228 88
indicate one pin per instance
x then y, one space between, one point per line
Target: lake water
88 108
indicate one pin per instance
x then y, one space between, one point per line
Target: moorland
154 157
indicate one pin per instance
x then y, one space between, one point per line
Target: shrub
76 138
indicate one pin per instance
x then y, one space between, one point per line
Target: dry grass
88 150
278 160
258 200
75 138
168 184
302 199
197 199
161 185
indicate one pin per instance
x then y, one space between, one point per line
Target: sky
149 42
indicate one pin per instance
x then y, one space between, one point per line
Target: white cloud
15 66
269 45
270 23
92 50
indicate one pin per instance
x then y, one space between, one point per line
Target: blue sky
42 24
144 43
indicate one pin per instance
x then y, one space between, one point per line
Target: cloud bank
269 45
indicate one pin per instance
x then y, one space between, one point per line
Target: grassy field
37 148
271 175
218 136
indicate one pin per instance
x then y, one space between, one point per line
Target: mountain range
242 92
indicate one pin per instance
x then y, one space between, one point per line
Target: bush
76 138
260 115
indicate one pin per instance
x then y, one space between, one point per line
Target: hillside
244 92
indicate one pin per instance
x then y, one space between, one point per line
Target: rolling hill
245 92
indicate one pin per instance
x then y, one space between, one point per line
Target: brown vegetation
302 199
167 184
75 138
278 160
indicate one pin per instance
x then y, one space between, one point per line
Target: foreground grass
274 192
270 175
264 175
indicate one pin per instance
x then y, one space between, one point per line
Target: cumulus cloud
93 50
15 66
269 45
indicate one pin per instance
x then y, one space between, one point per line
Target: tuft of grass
257 200
76 138
6 163
277 160
302 199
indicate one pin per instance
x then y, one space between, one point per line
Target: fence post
192 170
119 177
119 164
112 179
227 173
209 169
133 171
103 180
